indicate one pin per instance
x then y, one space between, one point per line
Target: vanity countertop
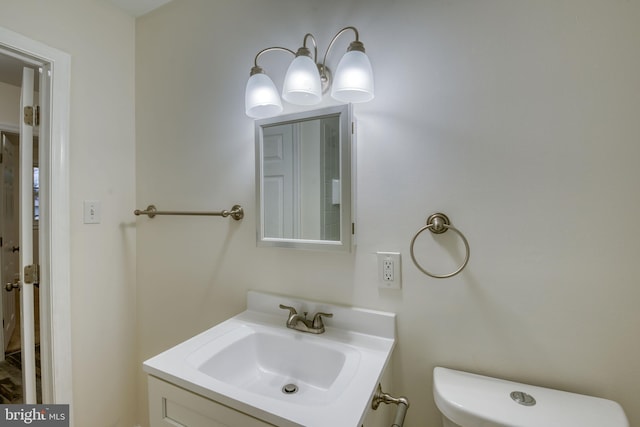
364 340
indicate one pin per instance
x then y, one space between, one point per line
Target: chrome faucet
299 322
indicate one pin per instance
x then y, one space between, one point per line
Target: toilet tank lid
472 400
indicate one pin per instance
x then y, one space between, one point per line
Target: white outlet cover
396 283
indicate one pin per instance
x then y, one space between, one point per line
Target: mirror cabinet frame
347 179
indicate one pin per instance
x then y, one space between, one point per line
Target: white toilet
470 400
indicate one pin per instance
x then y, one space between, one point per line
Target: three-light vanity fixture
307 79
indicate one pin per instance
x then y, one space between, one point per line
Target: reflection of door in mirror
301 167
278 164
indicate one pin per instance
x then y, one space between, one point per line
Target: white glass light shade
353 79
302 82
261 97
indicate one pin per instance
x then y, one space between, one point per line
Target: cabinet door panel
171 406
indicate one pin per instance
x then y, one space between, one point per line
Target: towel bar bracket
402 403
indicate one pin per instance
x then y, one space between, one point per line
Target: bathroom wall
9 98
100 40
519 120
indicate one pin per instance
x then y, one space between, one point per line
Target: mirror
303 180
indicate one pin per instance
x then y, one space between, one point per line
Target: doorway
11 381
53 224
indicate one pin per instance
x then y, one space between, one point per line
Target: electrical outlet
389 270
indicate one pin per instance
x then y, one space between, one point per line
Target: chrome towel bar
236 212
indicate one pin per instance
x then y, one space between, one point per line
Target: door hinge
28 115
32 273
32 115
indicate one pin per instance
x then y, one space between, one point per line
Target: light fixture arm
325 73
315 46
355 45
256 68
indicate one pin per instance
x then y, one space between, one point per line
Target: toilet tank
470 400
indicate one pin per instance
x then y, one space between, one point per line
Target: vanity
287 361
267 366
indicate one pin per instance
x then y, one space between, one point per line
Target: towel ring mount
439 223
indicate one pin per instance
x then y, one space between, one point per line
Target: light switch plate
92 212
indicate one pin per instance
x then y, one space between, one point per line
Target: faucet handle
292 311
317 319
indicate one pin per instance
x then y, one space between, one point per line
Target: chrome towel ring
438 223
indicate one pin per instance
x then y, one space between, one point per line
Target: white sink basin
253 363
265 360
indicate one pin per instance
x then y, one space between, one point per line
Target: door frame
55 303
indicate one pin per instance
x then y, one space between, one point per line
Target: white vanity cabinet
171 406
379 418
252 370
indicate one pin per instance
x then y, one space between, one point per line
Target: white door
9 255
54 225
279 169
26 239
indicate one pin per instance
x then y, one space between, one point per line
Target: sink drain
289 388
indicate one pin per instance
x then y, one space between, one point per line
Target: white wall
9 99
100 40
519 120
